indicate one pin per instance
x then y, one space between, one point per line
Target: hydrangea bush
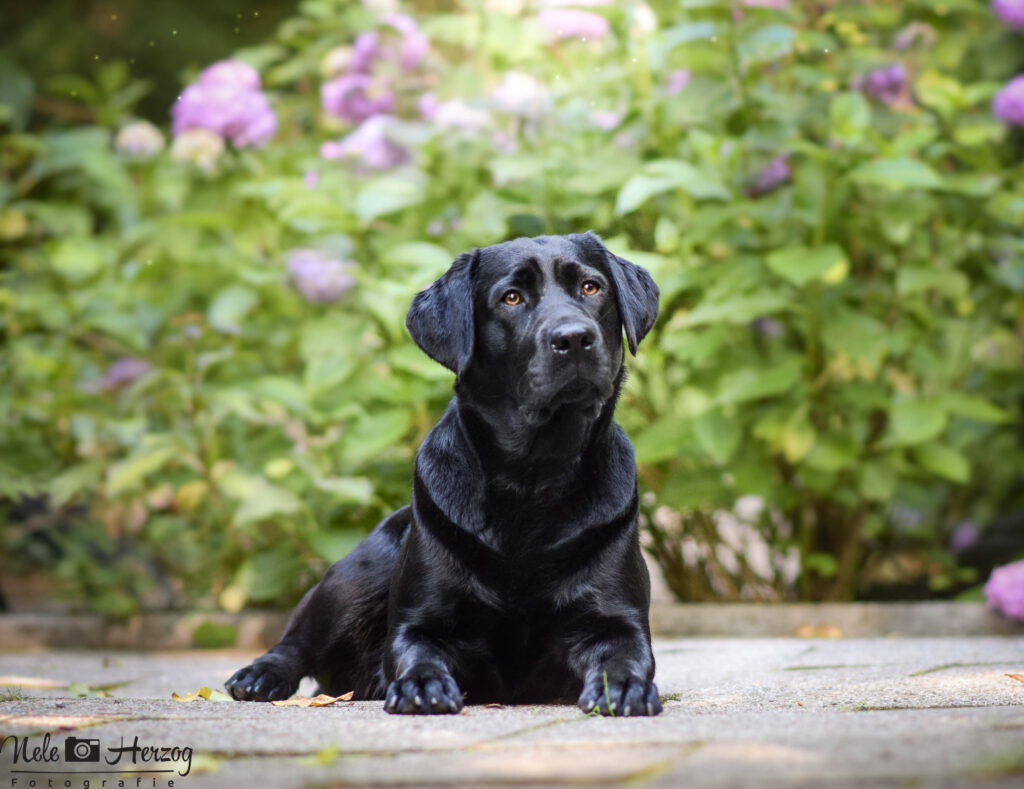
207 379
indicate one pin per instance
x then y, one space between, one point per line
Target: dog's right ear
440 319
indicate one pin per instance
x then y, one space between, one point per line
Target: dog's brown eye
512 298
590 288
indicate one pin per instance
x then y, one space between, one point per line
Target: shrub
209 378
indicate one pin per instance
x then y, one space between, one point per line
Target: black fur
516 574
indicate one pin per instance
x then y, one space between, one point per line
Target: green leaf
767 43
897 174
738 310
876 481
970 406
915 422
229 308
798 436
753 383
717 435
943 460
849 117
638 190
824 564
386 195
128 474
78 260
800 265
268 574
333 545
948 282
376 432
663 175
662 439
264 502
346 490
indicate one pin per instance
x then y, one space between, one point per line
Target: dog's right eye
512 298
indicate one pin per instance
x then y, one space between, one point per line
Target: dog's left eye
590 287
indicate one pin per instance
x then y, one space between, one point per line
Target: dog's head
537 323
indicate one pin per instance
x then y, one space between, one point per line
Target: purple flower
765 3
365 50
677 80
1008 104
310 179
233 111
607 120
1011 12
231 72
318 277
428 106
124 372
771 177
885 84
963 537
570 23
355 97
1005 590
369 146
414 43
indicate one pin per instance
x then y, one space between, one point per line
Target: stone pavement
807 712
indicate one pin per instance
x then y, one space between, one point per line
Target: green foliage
845 346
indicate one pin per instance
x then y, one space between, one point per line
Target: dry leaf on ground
203 693
323 700
1018 677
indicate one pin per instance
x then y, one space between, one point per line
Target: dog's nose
572 338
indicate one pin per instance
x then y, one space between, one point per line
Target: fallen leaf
494 706
1018 677
818 631
323 700
203 693
30 682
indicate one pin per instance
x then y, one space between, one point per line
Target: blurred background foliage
208 393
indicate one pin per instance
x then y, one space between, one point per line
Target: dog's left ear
440 319
635 291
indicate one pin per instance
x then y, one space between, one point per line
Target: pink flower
572 23
231 72
414 43
1011 12
235 112
1008 104
1005 590
428 106
318 277
368 146
606 119
765 3
677 81
351 97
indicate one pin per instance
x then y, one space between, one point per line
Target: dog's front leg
617 669
424 684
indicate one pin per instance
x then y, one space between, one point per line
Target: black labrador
515 576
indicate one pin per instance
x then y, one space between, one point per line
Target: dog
515 576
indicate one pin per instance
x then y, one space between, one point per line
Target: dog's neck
520 454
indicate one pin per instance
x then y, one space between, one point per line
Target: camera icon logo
77 749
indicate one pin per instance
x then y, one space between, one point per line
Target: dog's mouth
580 397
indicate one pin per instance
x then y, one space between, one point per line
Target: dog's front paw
620 696
426 692
261 682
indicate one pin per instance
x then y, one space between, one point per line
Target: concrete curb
259 630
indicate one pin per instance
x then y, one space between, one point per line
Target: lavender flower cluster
1008 105
226 101
1005 590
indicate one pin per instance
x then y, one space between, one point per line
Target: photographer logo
34 763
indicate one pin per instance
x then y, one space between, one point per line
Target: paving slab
807 712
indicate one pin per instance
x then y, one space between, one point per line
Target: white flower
202 147
140 139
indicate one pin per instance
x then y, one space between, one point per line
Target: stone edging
259 630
